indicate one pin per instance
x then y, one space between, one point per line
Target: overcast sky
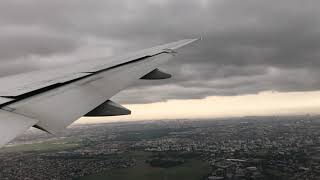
249 46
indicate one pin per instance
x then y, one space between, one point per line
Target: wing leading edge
53 104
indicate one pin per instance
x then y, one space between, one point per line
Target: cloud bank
249 46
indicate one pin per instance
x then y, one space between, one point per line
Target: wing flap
12 125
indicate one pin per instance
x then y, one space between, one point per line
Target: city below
263 148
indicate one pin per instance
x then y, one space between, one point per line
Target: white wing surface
52 100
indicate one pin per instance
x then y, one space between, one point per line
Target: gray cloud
249 46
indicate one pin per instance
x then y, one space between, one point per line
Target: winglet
182 43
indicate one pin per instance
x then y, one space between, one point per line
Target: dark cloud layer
249 45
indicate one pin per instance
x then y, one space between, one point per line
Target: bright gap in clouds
265 103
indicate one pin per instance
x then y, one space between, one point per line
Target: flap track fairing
156 75
109 108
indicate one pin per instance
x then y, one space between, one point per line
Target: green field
193 169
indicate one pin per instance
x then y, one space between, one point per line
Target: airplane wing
52 100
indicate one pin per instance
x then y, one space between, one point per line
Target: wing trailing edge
12 125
